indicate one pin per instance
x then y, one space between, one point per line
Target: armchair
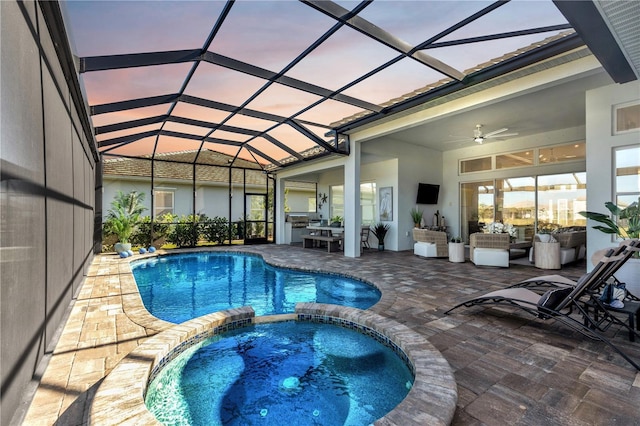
489 249
572 245
430 243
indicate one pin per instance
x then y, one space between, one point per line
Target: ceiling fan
479 137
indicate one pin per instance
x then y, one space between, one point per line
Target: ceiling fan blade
460 140
495 132
502 135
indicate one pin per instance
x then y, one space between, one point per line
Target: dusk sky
269 35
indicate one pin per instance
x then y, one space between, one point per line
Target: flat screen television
427 193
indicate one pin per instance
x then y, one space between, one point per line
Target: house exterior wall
212 200
46 198
601 143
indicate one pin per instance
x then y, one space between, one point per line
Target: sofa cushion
491 257
425 249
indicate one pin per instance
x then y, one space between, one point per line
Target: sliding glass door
477 206
524 202
516 205
561 197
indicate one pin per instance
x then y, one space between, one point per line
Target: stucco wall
601 143
47 198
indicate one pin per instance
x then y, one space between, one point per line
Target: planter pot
120 247
456 252
629 274
544 238
380 247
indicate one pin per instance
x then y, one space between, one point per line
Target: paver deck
510 368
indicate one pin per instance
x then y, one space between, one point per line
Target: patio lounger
560 302
627 249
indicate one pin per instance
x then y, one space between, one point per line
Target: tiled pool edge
433 397
120 397
432 400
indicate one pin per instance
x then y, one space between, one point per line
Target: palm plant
380 231
627 224
124 214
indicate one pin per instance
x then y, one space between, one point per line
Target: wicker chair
494 249
572 246
439 239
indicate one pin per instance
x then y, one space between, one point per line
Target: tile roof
211 167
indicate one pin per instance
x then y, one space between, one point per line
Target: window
515 204
337 200
626 118
475 165
558 198
575 151
163 202
561 197
514 159
477 206
556 154
367 202
627 179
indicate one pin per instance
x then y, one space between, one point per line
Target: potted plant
456 250
545 230
625 224
123 216
380 231
416 216
336 221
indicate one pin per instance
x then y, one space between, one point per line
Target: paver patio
509 368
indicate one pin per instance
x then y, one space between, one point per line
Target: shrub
186 233
143 237
216 230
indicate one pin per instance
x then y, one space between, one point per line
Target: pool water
181 287
283 373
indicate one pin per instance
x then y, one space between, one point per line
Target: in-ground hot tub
428 383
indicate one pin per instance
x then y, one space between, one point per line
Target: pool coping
432 400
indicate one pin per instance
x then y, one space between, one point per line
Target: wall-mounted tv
427 193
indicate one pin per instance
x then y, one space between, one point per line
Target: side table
456 252
547 255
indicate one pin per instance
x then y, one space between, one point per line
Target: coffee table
520 245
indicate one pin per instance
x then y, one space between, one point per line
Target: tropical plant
380 231
336 219
625 222
124 214
416 216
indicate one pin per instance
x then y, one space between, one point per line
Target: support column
352 211
280 214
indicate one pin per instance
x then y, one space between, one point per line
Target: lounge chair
559 303
626 248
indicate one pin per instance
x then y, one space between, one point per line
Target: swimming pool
308 373
177 288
